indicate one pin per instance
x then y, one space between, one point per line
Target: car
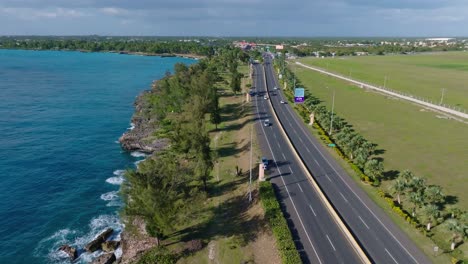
283 102
266 122
251 93
275 88
264 162
265 97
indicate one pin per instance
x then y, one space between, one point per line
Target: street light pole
331 119
250 182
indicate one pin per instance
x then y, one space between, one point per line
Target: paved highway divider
320 193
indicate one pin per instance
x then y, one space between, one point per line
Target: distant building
279 47
361 53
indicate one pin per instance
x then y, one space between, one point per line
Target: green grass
422 75
409 137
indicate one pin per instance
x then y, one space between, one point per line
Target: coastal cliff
141 136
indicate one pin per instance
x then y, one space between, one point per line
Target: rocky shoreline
140 137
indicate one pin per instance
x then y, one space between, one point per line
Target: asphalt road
381 239
317 236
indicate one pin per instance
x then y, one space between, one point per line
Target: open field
421 75
408 136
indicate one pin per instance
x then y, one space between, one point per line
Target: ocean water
61 167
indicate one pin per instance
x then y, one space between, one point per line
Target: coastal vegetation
122 45
192 194
416 203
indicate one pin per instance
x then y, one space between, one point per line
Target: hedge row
279 226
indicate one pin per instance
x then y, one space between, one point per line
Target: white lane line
282 154
391 256
287 190
312 209
274 135
278 145
363 222
334 249
308 150
300 187
349 187
328 177
316 162
300 139
290 169
344 198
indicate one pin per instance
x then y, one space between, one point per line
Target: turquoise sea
61 114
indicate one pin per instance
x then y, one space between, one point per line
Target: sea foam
109 196
138 154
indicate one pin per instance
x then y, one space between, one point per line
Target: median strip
322 196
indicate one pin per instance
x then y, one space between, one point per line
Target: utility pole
331 119
250 183
442 97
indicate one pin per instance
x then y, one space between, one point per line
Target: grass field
408 136
422 75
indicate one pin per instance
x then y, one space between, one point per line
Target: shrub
278 224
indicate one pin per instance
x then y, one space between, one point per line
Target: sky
380 18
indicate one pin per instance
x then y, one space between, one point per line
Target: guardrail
408 97
322 196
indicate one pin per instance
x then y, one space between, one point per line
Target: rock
194 245
71 251
96 243
109 246
141 137
105 259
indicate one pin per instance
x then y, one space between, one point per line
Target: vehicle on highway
264 162
276 88
283 102
265 97
251 93
266 122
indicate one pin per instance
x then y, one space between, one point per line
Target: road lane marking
316 162
363 222
290 169
277 143
308 150
300 187
287 190
284 157
334 249
344 198
328 177
300 139
349 187
274 135
312 209
391 256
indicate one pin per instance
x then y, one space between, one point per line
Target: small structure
261 172
312 119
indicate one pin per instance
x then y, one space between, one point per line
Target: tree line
126 45
426 204
168 189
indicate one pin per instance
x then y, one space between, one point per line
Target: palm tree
455 212
406 176
398 188
431 212
369 147
417 199
361 157
433 194
374 169
417 184
457 232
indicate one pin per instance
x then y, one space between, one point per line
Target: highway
318 237
381 239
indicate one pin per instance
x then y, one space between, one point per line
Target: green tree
433 195
236 83
417 199
458 232
431 212
398 187
374 169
